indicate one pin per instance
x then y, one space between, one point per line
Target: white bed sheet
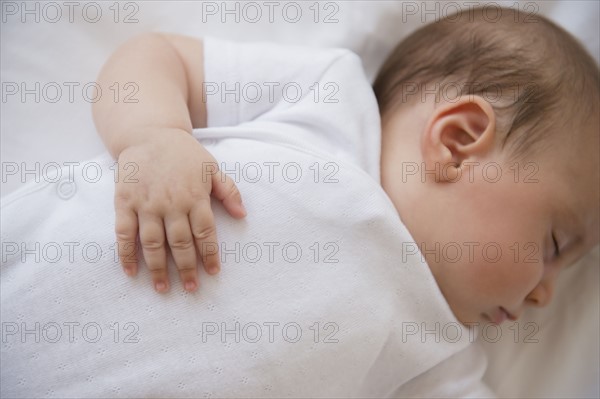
566 359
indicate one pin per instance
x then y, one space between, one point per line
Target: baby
489 152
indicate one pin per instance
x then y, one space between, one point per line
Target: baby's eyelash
556 246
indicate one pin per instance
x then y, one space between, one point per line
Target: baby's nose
541 295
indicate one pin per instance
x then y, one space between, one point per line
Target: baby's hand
163 191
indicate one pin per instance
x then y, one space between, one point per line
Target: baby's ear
458 131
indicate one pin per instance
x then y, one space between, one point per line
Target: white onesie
321 293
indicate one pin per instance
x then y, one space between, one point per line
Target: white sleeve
313 98
459 376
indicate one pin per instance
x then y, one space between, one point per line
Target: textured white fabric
316 99
316 297
449 379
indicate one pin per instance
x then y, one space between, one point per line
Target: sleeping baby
498 193
381 225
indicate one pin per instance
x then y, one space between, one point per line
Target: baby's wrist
144 136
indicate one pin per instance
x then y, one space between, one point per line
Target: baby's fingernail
242 208
214 270
129 271
190 286
160 286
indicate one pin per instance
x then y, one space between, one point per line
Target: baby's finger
183 249
152 238
126 227
205 235
225 190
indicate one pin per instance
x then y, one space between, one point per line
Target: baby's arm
151 138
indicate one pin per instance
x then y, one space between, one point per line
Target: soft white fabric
316 99
63 132
310 251
449 380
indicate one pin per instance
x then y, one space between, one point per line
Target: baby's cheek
492 277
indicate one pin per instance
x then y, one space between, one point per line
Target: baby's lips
501 315
512 316
498 316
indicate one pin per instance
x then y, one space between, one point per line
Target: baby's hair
536 76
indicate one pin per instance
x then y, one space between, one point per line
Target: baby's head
490 153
